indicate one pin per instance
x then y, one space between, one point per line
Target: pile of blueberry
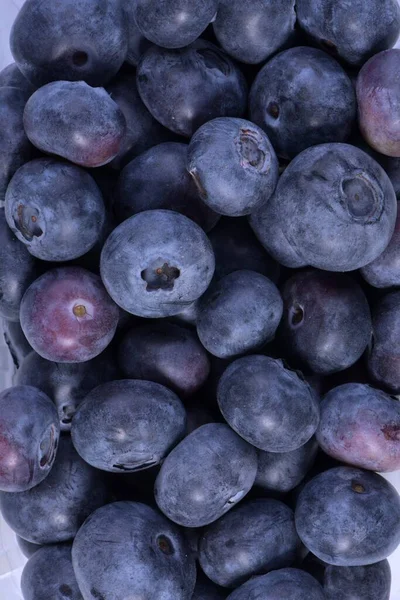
200 290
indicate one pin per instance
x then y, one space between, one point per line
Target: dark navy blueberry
267 404
280 585
384 271
183 89
127 549
371 582
137 43
54 510
209 472
27 548
348 517
206 590
233 165
334 208
240 312
156 263
158 179
384 352
11 76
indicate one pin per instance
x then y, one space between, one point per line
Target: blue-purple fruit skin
11 76
371 582
16 342
349 517
283 583
27 548
137 43
205 476
206 589
148 556
384 351
334 208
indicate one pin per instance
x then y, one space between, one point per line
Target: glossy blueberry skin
267 404
253 31
148 556
326 323
11 76
174 23
233 165
334 208
27 548
384 271
254 538
371 582
55 209
128 425
53 511
283 471
157 263
70 40
352 31
302 97
240 312
283 583
349 517
183 89
49 574
384 352
160 180
206 590
205 476
66 384
75 121
167 354
29 432
378 102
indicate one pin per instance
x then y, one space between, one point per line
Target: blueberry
283 471
233 165
157 263
334 208
53 511
49 574
392 168
283 583
384 353
302 97
27 548
160 180
352 31
11 76
371 582
206 590
240 312
252 31
209 472
75 121
174 23
183 89
75 40
129 549
16 342
267 404
165 353
55 209
348 517
29 438
326 324
137 43
128 425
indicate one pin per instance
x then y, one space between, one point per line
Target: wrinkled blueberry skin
157 263
371 582
384 353
11 76
27 548
254 538
18 269
252 31
360 426
268 405
378 92
15 147
352 31
236 248
334 208
66 384
240 312
158 179
283 471
16 342
53 511
349 517
205 476
283 583
233 165
137 43
69 40
326 323
29 433
75 121
174 23
183 89
167 354
384 271
49 574
206 590
130 549
55 209
302 97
